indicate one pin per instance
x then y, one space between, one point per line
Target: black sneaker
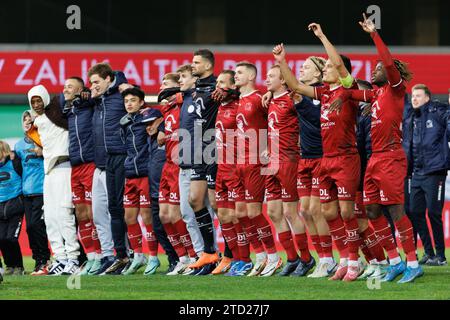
304 267
437 261
117 267
425 259
206 269
289 268
171 267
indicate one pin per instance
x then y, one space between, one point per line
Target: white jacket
55 140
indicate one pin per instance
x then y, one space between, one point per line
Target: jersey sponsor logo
324 193
169 121
429 124
232 194
248 106
88 195
342 191
324 114
143 198
241 122
173 196
219 131
375 109
273 118
75 197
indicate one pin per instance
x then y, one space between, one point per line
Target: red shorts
360 211
385 178
283 183
137 193
252 180
339 178
308 177
169 190
81 181
228 187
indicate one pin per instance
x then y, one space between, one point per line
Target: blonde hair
319 62
5 149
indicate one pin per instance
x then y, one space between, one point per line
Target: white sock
272 257
98 256
395 261
353 263
261 256
343 261
373 261
184 260
413 264
90 256
328 260
384 262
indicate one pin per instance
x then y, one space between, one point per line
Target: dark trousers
115 184
37 235
428 193
407 206
161 233
9 240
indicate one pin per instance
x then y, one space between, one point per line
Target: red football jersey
338 130
387 115
226 125
251 117
171 124
283 129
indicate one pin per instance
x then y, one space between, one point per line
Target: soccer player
230 196
81 153
169 194
251 121
281 184
203 174
30 154
109 110
386 170
59 219
136 197
339 172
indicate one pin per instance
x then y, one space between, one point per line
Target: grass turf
435 284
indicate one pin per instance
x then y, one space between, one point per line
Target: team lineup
324 152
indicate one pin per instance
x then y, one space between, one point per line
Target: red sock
302 244
327 246
230 236
85 229
174 239
185 237
366 252
242 242
384 235
95 240
372 244
315 240
250 233
265 233
152 242
406 236
135 237
288 244
337 231
353 239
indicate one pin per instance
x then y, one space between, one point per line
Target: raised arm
330 49
393 75
280 56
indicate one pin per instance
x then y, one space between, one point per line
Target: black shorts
204 172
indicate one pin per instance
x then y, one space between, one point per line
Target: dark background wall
221 22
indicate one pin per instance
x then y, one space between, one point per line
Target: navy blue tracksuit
425 140
157 158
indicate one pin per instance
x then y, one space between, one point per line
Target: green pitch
434 285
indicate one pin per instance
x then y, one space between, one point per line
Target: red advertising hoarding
19 71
